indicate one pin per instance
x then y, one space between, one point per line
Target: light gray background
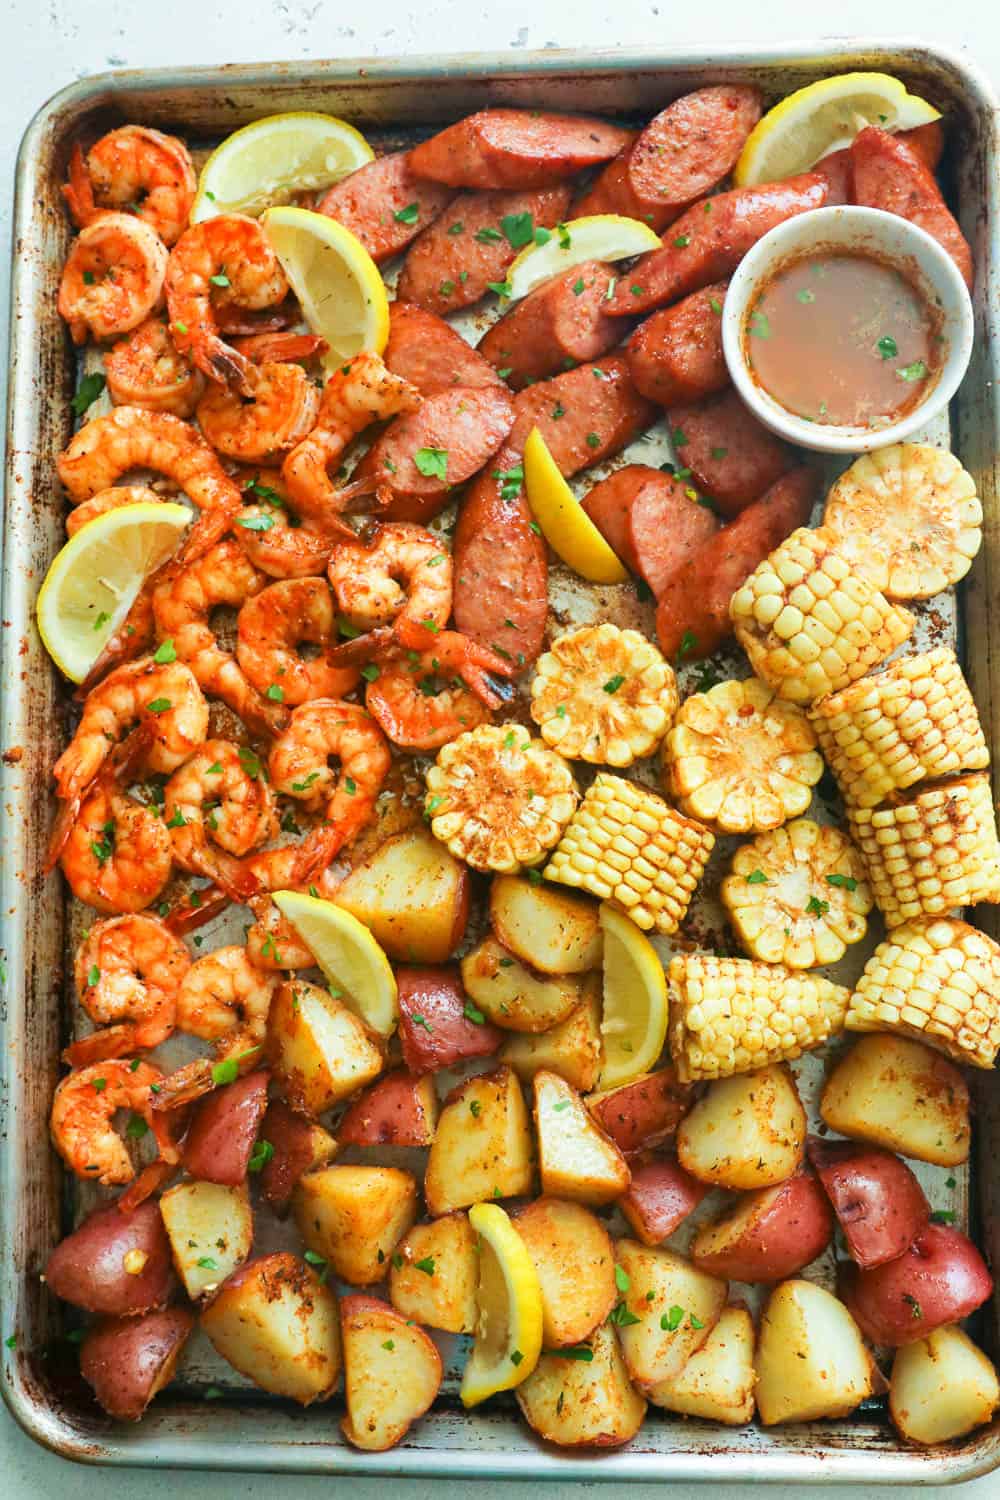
47 43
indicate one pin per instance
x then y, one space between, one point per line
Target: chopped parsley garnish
487 236
517 229
805 296
673 1319
682 241
614 683
260 1156
757 877
426 1265
887 347
432 462
845 882
90 388
165 653
916 371
408 215
502 288
817 908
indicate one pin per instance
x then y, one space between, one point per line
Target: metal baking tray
392 101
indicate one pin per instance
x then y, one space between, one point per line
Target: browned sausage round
516 148
585 415
836 170
609 503
385 205
676 355
667 528
426 351
732 457
561 323
452 263
890 175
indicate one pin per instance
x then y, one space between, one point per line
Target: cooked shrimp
357 394
280 412
218 806
231 251
225 999
146 370
128 970
183 601
262 348
113 277
117 856
424 699
109 499
269 538
137 168
242 322
83 1111
271 628
403 575
272 941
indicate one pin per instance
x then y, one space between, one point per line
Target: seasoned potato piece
942 1387
717 1382
674 1322
583 1403
398 1110
575 1158
511 995
572 1254
392 1372
318 1049
354 1217
573 1049
434 1274
276 1322
482 1148
211 1232
901 1095
413 895
644 1112
745 1132
297 1145
811 1360
545 928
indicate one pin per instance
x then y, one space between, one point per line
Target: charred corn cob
809 624
731 1015
907 519
625 844
604 695
936 979
498 798
932 850
798 896
740 759
913 722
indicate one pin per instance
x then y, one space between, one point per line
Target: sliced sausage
516 148
732 457
426 351
692 616
585 415
676 355
609 503
452 263
890 175
667 528
562 322
927 141
708 242
836 169
385 205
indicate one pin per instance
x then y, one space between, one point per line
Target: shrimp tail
238 882
149 1181
363 648
227 367
263 716
108 1041
209 529
187 1084
265 347
183 919
69 811
79 190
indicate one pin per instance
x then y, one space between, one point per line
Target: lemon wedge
340 290
594 237
508 1336
268 161
352 962
821 118
564 523
94 580
634 1025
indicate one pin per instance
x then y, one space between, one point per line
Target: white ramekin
893 239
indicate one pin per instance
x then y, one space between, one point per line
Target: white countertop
45 44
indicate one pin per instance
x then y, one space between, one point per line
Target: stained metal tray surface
394 102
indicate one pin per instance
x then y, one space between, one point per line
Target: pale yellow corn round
914 721
731 1015
931 852
625 844
829 627
937 979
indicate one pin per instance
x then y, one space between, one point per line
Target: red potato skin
87 1268
645 1112
716 241
732 457
516 149
561 322
127 1360
695 603
368 200
659 1199
426 351
667 529
878 1201
676 355
940 1278
390 1113
224 1129
439 257
795 1225
889 174
290 1136
445 1035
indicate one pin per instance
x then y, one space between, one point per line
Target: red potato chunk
297 1145
116 1264
398 1110
434 1026
644 1112
127 1361
659 1199
879 1203
224 1130
941 1278
767 1235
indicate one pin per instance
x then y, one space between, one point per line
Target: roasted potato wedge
297 1145
413 895
769 1234
354 1217
398 1110
745 1132
672 1324
901 1095
574 1259
127 1361
482 1148
879 1204
211 1232
580 1402
940 1279
545 928
318 1049
659 1199
436 1028
392 1372
114 1263
222 1134
942 1387
642 1113
511 996
575 1158
718 1381
811 1360
573 1049
434 1274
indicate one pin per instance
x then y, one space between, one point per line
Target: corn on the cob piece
932 850
798 896
604 695
936 979
809 624
626 845
914 721
498 798
740 759
907 519
731 1015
